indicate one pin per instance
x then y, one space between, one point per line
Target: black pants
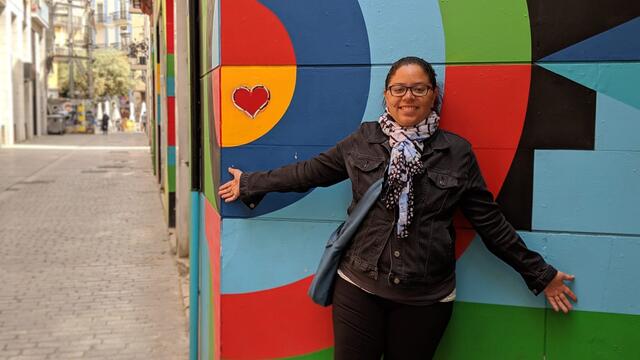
366 326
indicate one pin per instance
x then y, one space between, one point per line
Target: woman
396 283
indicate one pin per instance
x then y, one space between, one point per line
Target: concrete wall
183 121
544 91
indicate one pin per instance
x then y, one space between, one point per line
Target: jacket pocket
367 170
438 185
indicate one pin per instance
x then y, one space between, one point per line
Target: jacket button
252 205
396 281
396 253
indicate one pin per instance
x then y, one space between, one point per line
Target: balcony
40 12
61 19
122 16
103 18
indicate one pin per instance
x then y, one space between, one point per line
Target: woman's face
409 109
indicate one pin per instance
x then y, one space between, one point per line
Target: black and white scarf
406 149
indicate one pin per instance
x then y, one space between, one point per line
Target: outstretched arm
325 169
502 240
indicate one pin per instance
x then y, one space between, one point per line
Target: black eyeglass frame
410 88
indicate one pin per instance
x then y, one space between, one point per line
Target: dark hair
426 67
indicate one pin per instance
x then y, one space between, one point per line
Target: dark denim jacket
452 180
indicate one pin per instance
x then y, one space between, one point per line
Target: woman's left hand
557 291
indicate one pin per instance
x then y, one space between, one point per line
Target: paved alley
85 268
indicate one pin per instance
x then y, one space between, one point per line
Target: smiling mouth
408 107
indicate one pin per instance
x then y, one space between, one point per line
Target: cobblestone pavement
85 268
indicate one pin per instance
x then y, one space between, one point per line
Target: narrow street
85 267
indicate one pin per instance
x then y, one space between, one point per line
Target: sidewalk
86 271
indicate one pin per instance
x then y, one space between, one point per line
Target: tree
111 75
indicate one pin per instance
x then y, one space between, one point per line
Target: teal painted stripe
158 113
206 321
617 125
171 155
171 86
194 274
586 191
618 80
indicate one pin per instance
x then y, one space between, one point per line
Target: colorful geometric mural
545 92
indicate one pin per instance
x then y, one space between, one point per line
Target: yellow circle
238 128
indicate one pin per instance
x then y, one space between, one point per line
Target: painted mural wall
545 91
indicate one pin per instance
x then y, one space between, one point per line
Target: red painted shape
486 104
251 101
170 24
274 323
251 34
171 121
212 233
217 111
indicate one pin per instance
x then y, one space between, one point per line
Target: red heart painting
251 101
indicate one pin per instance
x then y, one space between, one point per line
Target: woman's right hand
230 191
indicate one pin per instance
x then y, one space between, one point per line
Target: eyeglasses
417 90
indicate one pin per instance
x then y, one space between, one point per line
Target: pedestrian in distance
105 124
395 286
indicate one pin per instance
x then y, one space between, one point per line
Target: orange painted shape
212 232
274 323
216 105
251 34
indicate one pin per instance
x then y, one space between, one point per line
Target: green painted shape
171 66
486 331
171 177
208 186
592 335
486 30
618 80
326 354
205 36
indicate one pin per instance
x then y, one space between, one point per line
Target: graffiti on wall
545 93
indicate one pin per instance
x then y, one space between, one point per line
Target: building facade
544 91
23 67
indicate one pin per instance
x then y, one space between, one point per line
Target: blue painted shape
171 155
171 86
263 254
324 32
215 36
617 125
322 204
586 191
254 158
206 304
618 80
483 278
194 273
327 105
376 91
404 27
618 43
606 269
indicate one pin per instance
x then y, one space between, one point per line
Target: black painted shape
556 25
560 115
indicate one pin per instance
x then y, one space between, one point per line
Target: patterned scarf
406 149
